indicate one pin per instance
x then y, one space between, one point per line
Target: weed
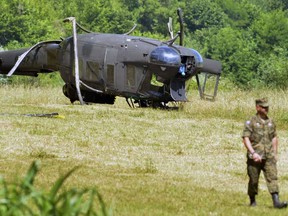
25 199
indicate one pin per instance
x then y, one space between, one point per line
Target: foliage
273 70
23 23
270 33
25 199
270 5
201 14
237 52
241 34
241 14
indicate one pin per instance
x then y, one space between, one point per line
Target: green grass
143 161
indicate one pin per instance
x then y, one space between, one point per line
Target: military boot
252 201
276 201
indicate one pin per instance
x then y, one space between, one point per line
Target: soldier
260 139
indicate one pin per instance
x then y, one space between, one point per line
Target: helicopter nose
165 62
165 55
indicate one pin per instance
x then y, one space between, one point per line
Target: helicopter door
110 62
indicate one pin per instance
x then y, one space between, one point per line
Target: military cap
263 102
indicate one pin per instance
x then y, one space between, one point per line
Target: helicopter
98 67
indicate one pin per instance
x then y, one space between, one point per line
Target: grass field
143 161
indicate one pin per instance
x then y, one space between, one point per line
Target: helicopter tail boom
40 58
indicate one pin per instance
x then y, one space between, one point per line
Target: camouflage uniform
261 132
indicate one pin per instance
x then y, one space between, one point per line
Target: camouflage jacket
261 132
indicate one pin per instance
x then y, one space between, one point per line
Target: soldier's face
262 110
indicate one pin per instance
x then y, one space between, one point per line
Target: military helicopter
97 67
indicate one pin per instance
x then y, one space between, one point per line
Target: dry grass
144 161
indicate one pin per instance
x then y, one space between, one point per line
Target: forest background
249 37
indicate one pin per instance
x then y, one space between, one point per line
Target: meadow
189 161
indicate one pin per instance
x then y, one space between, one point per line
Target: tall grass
143 161
239 104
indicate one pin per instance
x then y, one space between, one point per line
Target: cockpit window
165 55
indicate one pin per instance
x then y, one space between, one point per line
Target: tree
131 4
201 14
26 22
235 50
270 31
241 13
242 34
273 69
270 5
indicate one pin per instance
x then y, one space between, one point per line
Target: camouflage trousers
269 169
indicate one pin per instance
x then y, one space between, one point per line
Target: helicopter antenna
180 15
76 63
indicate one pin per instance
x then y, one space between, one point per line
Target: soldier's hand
257 157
